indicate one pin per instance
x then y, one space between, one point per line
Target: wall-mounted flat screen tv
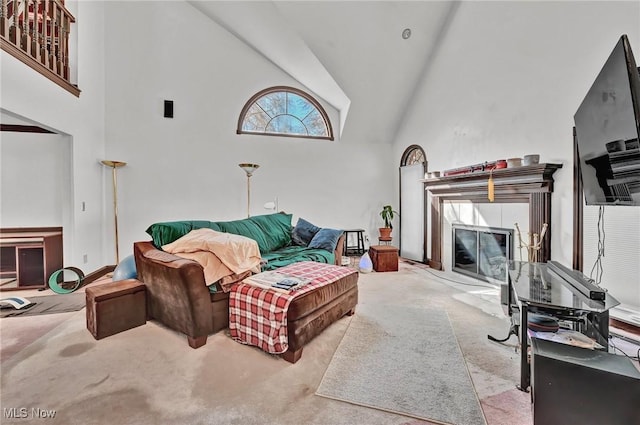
608 131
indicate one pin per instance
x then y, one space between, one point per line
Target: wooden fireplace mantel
531 184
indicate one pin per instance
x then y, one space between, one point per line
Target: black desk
538 289
357 249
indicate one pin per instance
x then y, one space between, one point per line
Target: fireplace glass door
482 252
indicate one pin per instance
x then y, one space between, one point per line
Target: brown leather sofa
178 297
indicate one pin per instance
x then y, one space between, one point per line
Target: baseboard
437 265
97 274
623 313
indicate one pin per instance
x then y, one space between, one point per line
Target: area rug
48 305
404 360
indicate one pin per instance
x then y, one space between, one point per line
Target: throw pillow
303 232
326 239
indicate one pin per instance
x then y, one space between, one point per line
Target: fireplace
531 184
482 252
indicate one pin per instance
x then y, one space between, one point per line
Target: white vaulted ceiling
350 53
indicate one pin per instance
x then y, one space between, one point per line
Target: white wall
27 94
34 179
187 167
506 82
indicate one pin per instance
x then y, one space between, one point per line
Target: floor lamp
249 169
114 166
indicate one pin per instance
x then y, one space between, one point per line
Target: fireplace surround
531 184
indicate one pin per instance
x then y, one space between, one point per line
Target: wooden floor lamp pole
114 166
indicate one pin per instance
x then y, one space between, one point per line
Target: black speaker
168 108
572 385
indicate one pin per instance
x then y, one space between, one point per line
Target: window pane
274 103
315 124
415 157
286 124
298 106
255 119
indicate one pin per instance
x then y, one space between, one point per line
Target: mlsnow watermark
28 413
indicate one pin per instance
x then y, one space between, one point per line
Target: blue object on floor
126 269
365 263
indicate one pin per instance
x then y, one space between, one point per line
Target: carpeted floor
149 374
50 304
404 360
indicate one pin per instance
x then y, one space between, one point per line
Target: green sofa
179 298
272 232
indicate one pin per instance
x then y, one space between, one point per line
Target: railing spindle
3 18
44 52
35 32
66 29
14 30
52 37
25 42
59 38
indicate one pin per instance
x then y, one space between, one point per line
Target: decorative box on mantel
531 184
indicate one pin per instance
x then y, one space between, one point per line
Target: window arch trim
253 100
409 151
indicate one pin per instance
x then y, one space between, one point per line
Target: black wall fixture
168 108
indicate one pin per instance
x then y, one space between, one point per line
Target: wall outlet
85 258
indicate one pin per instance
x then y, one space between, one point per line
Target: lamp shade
248 168
114 164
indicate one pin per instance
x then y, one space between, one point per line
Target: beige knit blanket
220 254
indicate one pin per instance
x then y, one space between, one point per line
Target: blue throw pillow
326 239
303 232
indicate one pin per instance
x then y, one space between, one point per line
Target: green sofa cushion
293 254
169 231
276 228
270 231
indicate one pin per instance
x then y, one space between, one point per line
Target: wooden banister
36 32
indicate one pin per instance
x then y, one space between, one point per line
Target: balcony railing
37 33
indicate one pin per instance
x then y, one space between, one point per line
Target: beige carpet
149 374
404 360
50 304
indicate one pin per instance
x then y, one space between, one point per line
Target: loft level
36 32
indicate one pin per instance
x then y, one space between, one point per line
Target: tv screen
607 132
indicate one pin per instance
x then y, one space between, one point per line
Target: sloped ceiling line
261 26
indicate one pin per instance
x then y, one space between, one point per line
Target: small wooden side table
384 258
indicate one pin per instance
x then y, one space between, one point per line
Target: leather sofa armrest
177 295
339 250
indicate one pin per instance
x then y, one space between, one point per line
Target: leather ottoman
384 258
115 307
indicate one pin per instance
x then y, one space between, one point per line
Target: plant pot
385 233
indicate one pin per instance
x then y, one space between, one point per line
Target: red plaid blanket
258 316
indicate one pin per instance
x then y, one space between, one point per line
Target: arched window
414 154
285 111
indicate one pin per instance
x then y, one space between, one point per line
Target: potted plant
387 215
